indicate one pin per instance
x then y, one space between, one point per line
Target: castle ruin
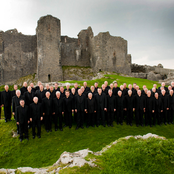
46 52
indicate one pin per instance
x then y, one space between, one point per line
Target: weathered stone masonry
46 52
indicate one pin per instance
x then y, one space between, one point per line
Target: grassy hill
45 151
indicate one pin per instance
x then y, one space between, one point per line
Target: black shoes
108 125
50 130
77 128
56 129
87 126
39 136
26 138
82 127
65 125
33 137
61 129
70 127
20 139
47 130
131 124
112 125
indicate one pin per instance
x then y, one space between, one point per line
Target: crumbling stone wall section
49 49
109 53
18 56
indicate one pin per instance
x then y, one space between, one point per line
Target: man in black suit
171 107
58 110
62 92
68 88
150 109
116 89
76 88
140 107
111 107
69 108
95 86
120 106
158 109
13 93
56 88
165 101
47 88
91 110
106 85
33 90
47 111
86 88
38 85
104 90
6 102
40 94
15 103
130 107
163 86
52 92
24 88
22 115
80 108
36 117
28 96
101 103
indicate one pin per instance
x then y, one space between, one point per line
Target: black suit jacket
158 105
120 102
69 105
58 105
16 102
140 102
22 114
23 90
47 106
165 101
101 101
28 98
80 103
36 111
150 103
111 102
171 102
40 95
130 102
91 105
6 98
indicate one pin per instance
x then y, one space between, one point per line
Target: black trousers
90 119
48 121
139 116
100 114
57 117
119 118
36 123
165 114
171 112
7 112
23 129
110 117
148 117
68 118
129 116
158 117
80 118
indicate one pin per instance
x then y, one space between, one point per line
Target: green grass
120 80
46 151
149 156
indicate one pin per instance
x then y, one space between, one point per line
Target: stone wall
46 52
49 49
109 53
18 56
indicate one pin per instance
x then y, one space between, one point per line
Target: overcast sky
147 25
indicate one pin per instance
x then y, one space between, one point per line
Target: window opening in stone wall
49 78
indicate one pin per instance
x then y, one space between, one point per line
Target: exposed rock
169 79
14 134
152 76
160 65
74 159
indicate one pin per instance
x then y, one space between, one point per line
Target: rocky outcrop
68 159
152 76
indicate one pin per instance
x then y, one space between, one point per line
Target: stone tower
49 49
